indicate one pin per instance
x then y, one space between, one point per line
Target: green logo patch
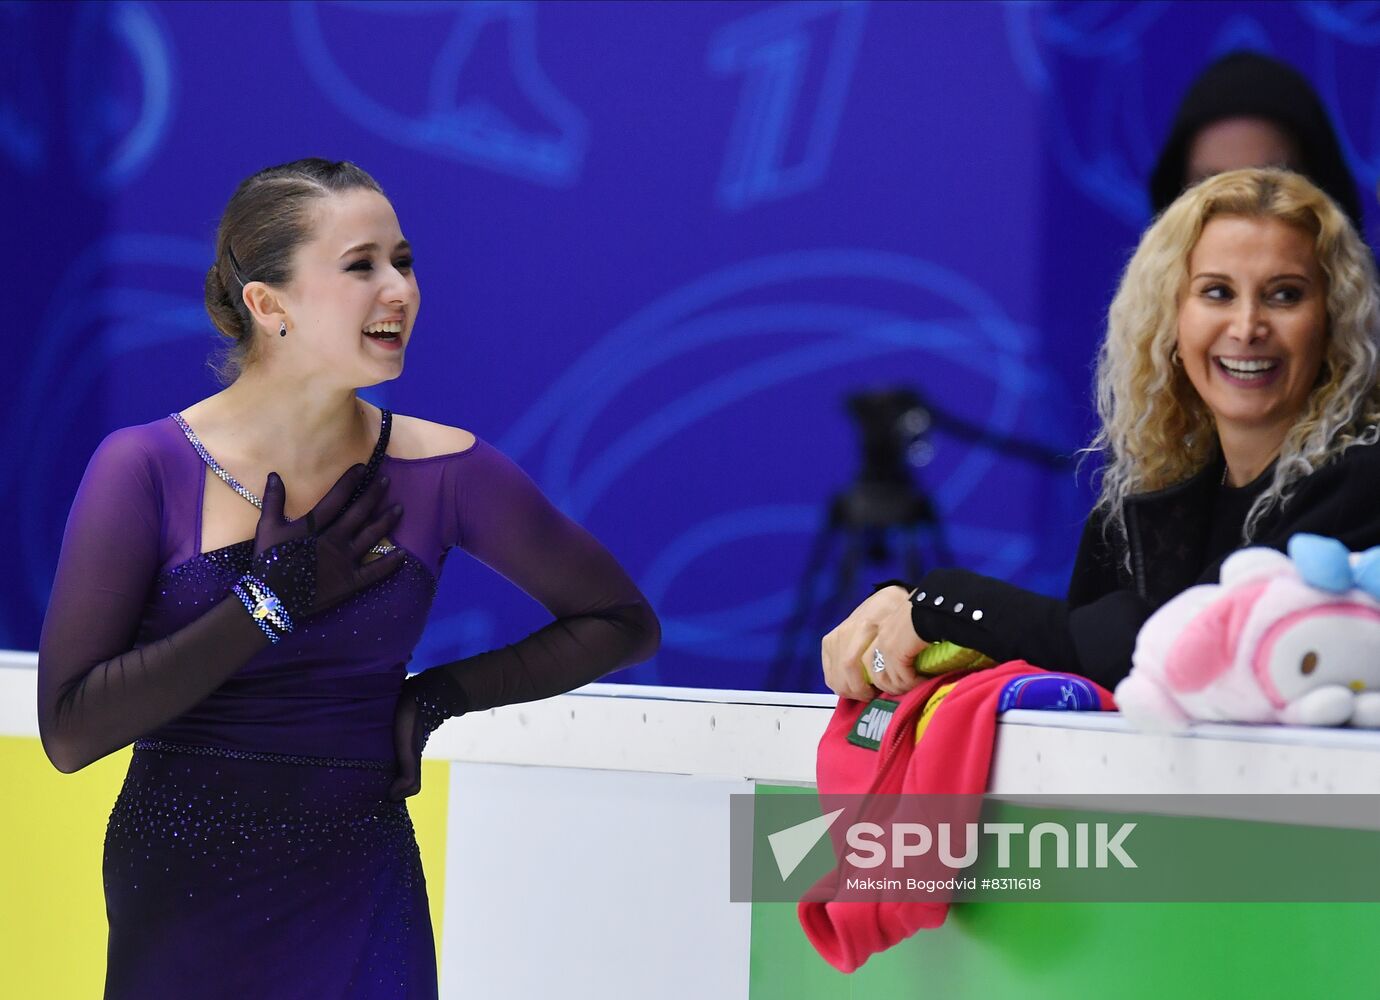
872 724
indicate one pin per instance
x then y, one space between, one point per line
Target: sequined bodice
330 688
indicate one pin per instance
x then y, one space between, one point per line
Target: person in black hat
1248 110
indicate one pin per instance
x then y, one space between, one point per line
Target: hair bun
221 307
215 285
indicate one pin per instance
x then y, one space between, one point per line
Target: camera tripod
883 511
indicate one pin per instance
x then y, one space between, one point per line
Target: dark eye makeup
1279 295
402 264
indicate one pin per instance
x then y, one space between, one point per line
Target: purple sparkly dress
252 851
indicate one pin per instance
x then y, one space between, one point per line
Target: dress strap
375 459
385 427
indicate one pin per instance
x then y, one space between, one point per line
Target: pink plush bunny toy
1282 639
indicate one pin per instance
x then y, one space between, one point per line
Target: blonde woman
1237 389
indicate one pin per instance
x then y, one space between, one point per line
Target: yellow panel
428 810
52 827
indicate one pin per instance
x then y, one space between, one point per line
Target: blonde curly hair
1156 431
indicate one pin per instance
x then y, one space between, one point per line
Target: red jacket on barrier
953 756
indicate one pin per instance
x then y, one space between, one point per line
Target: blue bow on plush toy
1326 563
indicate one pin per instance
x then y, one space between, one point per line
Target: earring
1174 358
282 329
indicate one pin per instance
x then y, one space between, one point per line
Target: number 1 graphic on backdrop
796 60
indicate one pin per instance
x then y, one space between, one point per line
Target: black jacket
1093 631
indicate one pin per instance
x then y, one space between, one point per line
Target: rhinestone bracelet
250 605
263 606
267 600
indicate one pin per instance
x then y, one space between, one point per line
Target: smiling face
354 275
1252 325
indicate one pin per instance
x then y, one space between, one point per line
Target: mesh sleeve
96 691
602 621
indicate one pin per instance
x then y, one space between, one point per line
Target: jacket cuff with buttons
1007 622
1004 621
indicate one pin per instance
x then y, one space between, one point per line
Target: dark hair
1250 85
267 219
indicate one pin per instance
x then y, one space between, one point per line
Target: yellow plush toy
941 657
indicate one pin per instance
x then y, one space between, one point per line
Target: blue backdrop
658 243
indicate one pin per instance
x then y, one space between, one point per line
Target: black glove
410 735
310 570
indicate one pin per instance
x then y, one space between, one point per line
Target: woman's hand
414 720
847 651
318 560
899 646
409 738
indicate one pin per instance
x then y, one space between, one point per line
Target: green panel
1133 951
